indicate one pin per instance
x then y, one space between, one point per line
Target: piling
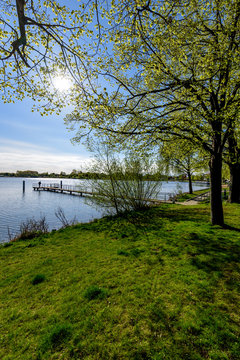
23 186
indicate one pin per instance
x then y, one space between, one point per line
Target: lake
16 206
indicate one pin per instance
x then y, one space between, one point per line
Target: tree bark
234 167
190 182
234 188
216 189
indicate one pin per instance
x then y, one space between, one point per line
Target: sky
29 141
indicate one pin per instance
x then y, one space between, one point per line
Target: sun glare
62 83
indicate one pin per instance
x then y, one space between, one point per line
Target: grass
95 292
38 279
186 196
159 284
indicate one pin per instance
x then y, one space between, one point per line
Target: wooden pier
77 190
63 189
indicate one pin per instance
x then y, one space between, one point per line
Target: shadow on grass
229 227
212 248
186 214
215 253
155 216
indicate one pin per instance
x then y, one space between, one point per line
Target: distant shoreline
88 175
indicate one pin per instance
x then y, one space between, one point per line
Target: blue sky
29 141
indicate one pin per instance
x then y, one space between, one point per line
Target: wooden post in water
23 186
61 184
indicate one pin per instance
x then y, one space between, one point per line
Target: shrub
125 186
31 228
59 213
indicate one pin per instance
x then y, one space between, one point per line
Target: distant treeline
73 175
91 175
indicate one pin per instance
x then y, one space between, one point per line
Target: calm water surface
17 206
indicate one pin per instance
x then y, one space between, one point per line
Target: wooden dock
77 190
63 189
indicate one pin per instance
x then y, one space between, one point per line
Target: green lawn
186 196
160 284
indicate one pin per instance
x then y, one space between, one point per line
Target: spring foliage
142 70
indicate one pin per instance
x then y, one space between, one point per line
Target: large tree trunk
216 189
234 167
190 182
234 188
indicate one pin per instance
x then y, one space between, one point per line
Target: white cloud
17 155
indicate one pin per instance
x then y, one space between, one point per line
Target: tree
233 161
180 156
166 68
174 70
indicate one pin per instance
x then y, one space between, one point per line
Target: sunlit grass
186 196
159 284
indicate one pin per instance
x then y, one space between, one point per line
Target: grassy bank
186 196
162 284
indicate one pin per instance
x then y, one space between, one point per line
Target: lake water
17 206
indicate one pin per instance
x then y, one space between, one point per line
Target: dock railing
57 186
80 190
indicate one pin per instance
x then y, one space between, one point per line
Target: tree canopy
180 156
173 66
174 70
40 40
